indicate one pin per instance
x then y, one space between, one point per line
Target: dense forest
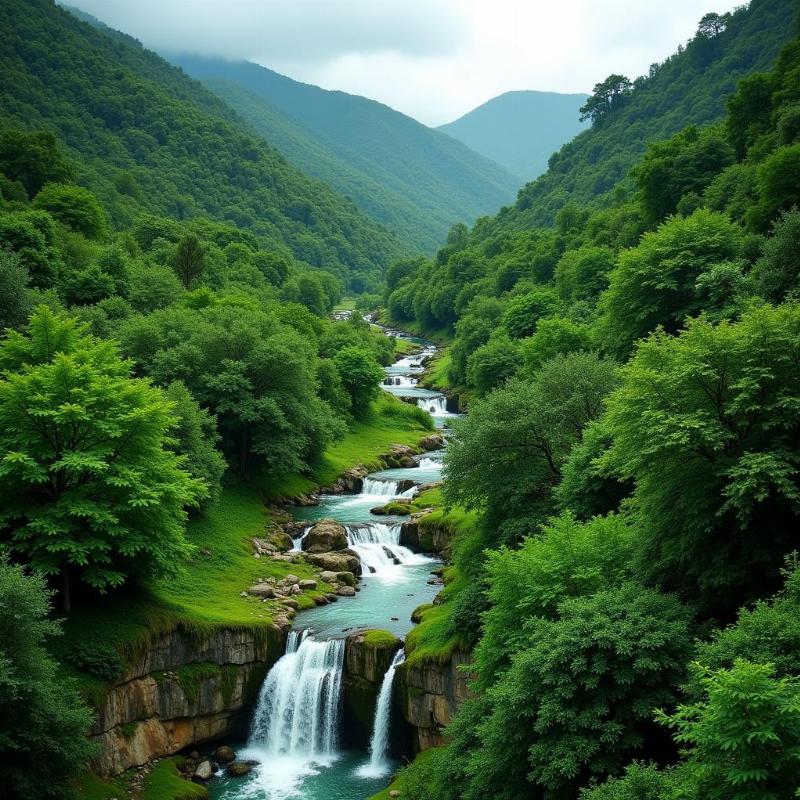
412 179
631 595
146 138
622 496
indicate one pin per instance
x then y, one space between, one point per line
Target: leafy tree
777 272
30 234
522 313
581 274
152 287
655 282
43 722
577 703
15 299
196 440
605 96
360 376
565 559
88 484
705 425
32 158
188 260
506 456
73 206
554 336
712 24
684 164
777 187
640 782
492 364
742 740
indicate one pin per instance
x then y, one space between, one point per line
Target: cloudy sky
432 59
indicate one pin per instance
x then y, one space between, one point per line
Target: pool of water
279 778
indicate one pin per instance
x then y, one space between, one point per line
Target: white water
380 734
436 406
385 489
378 546
403 381
429 463
296 720
297 542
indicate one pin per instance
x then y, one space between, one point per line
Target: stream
295 733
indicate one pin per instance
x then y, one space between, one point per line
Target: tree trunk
66 601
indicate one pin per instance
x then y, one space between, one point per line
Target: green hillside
413 179
690 87
520 130
144 137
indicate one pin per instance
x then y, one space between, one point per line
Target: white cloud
432 59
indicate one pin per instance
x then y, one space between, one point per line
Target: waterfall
298 708
429 463
378 546
297 542
376 488
380 734
436 405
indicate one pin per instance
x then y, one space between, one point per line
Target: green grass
90 787
165 783
436 374
380 639
390 421
398 784
402 347
345 304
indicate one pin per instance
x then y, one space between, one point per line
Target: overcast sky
432 59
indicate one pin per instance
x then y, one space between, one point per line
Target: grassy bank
398 784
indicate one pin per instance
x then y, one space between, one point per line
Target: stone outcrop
324 536
428 536
430 693
183 690
433 441
368 655
340 561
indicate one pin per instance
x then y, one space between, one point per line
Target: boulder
263 590
280 540
347 578
224 755
328 577
346 591
204 770
262 547
290 579
325 536
238 769
434 441
290 603
307 585
343 561
321 600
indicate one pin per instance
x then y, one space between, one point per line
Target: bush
100 660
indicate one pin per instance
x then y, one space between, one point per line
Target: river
296 735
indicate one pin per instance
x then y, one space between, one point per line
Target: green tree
188 260
507 455
492 364
577 703
581 274
742 740
655 282
196 438
523 312
32 158
43 723
73 206
87 484
360 376
15 299
705 425
554 336
777 272
604 97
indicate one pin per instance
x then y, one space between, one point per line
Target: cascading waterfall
298 707
378 546
436 405
429 463
380 734
297 542
377 488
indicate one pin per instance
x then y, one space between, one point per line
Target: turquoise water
385 600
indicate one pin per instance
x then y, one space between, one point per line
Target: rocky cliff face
430 693
422 535
181 691
368 655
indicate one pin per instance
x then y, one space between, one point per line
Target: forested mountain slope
144 137
520 130
690 87
415 180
